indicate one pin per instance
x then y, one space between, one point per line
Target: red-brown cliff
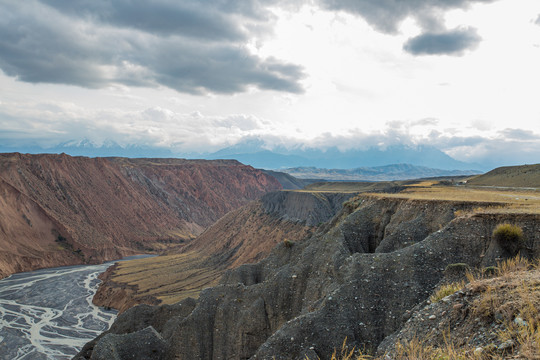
60 210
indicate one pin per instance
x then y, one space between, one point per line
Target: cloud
192 47
537 22
53 123
386 15
214 20
425 122
49 124
518 134
436 39
452 42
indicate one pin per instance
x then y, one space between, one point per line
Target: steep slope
242 236
527 176
491 317
59 210
22 222
354 279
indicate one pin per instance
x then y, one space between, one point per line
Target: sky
197 76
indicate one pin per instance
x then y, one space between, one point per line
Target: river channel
48 314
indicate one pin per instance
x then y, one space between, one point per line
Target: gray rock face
311 208
306 298
140 345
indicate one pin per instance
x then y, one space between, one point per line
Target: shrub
509 237
457 269
288 243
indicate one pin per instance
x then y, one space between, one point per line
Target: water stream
48 314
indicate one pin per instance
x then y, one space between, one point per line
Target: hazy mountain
378 173
254 153
89 148
257 153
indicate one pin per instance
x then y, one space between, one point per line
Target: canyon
248 271
243 236
60 210
359 276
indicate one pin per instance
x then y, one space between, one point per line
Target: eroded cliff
60 210
357 278
245 235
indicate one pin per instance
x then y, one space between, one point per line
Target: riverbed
48 314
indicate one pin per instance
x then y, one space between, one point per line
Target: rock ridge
354 279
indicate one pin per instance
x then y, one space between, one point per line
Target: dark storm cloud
196 47
193 46
199 19
453 42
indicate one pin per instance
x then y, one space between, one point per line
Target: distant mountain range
378 173
88 148
257 153
254 153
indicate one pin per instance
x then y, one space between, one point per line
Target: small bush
446 290
490 271
509 237
457 269
288 243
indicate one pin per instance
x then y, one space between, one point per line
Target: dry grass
512 299
446 290
348 354
416 349
169 278
520 176
496 200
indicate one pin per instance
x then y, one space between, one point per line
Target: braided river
48 314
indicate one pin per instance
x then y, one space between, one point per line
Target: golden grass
497 200
513 299
416 349
446 290
169 278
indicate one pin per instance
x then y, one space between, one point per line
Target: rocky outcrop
60 210
245 235
492 317
354 279
248 235
310 208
